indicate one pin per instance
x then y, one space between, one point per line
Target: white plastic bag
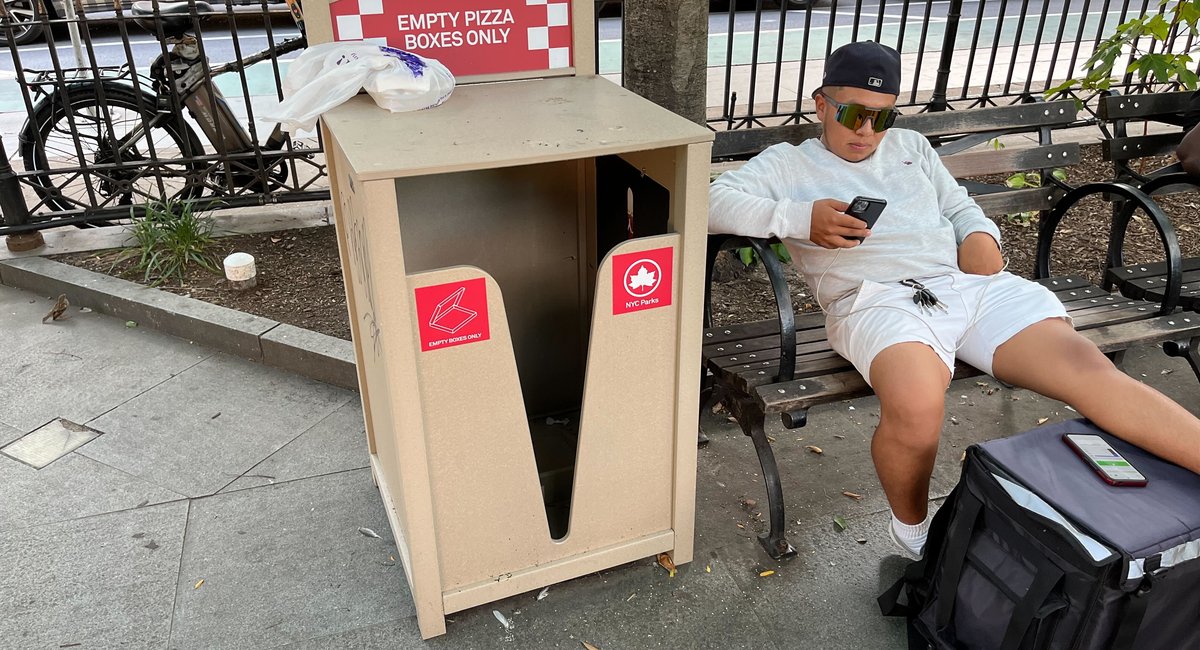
328 74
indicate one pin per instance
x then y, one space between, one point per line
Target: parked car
25 15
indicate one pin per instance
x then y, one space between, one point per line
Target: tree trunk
665 53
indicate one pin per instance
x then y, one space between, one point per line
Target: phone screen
1105 459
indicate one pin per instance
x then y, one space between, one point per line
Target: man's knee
915 420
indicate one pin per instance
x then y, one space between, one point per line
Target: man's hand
830 225
980 254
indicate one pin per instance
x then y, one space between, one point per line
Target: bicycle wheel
130 156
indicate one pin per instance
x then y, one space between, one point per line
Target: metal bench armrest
1134 198
783 297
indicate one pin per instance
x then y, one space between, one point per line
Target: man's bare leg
1051 358
910 380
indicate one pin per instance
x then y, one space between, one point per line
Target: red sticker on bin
452 314
468 36
642 280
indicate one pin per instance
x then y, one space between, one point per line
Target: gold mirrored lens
852 116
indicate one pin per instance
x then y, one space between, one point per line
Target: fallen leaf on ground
852 495
1165 372
771 439
130 323
589 646
543 593
861 540
201 581
369 533
766 573
503 621
1043 420
708 568
814 449
839 436
840 522
665 562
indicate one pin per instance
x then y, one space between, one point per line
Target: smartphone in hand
866 209
1104 460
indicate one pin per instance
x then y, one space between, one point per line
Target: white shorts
982 312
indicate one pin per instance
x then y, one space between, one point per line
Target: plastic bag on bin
328 74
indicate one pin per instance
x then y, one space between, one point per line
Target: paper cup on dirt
240 271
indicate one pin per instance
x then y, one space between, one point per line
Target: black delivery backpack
1033 549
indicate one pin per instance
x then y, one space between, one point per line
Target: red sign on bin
452 314
642 280
469 37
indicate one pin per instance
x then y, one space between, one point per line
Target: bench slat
1025 116
981 163
1154 269
1140 146
1151 105
717 335
1016 201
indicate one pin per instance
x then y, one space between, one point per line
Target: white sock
912 536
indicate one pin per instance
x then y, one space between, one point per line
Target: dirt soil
299 276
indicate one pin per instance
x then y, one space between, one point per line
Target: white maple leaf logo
643 278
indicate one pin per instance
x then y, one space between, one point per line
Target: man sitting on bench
925 285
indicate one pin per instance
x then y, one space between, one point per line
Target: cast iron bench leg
751 418
1189 350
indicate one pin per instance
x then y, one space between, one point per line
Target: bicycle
134 144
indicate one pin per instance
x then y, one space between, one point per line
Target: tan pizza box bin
480 303
524 271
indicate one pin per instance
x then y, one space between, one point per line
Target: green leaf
840 522
1159 27
1188 78
782 253
1188 13
1016 181
746 255
1059 173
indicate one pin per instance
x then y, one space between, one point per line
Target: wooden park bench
1127 121
785 365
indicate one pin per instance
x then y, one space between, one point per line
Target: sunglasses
852 116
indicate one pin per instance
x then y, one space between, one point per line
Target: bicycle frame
190 80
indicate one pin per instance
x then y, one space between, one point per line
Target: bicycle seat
176 17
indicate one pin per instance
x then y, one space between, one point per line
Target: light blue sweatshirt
927 215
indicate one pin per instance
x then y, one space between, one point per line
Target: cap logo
875 81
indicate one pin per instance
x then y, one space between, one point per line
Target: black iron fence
126 104
122 104
955 54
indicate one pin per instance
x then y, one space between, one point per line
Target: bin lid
1140 521
486 126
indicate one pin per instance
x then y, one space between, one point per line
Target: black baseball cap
865 64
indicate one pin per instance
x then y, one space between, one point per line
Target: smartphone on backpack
867 209
1110 465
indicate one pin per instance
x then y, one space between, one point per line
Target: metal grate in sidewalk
49 442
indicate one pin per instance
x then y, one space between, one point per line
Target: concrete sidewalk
224 505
